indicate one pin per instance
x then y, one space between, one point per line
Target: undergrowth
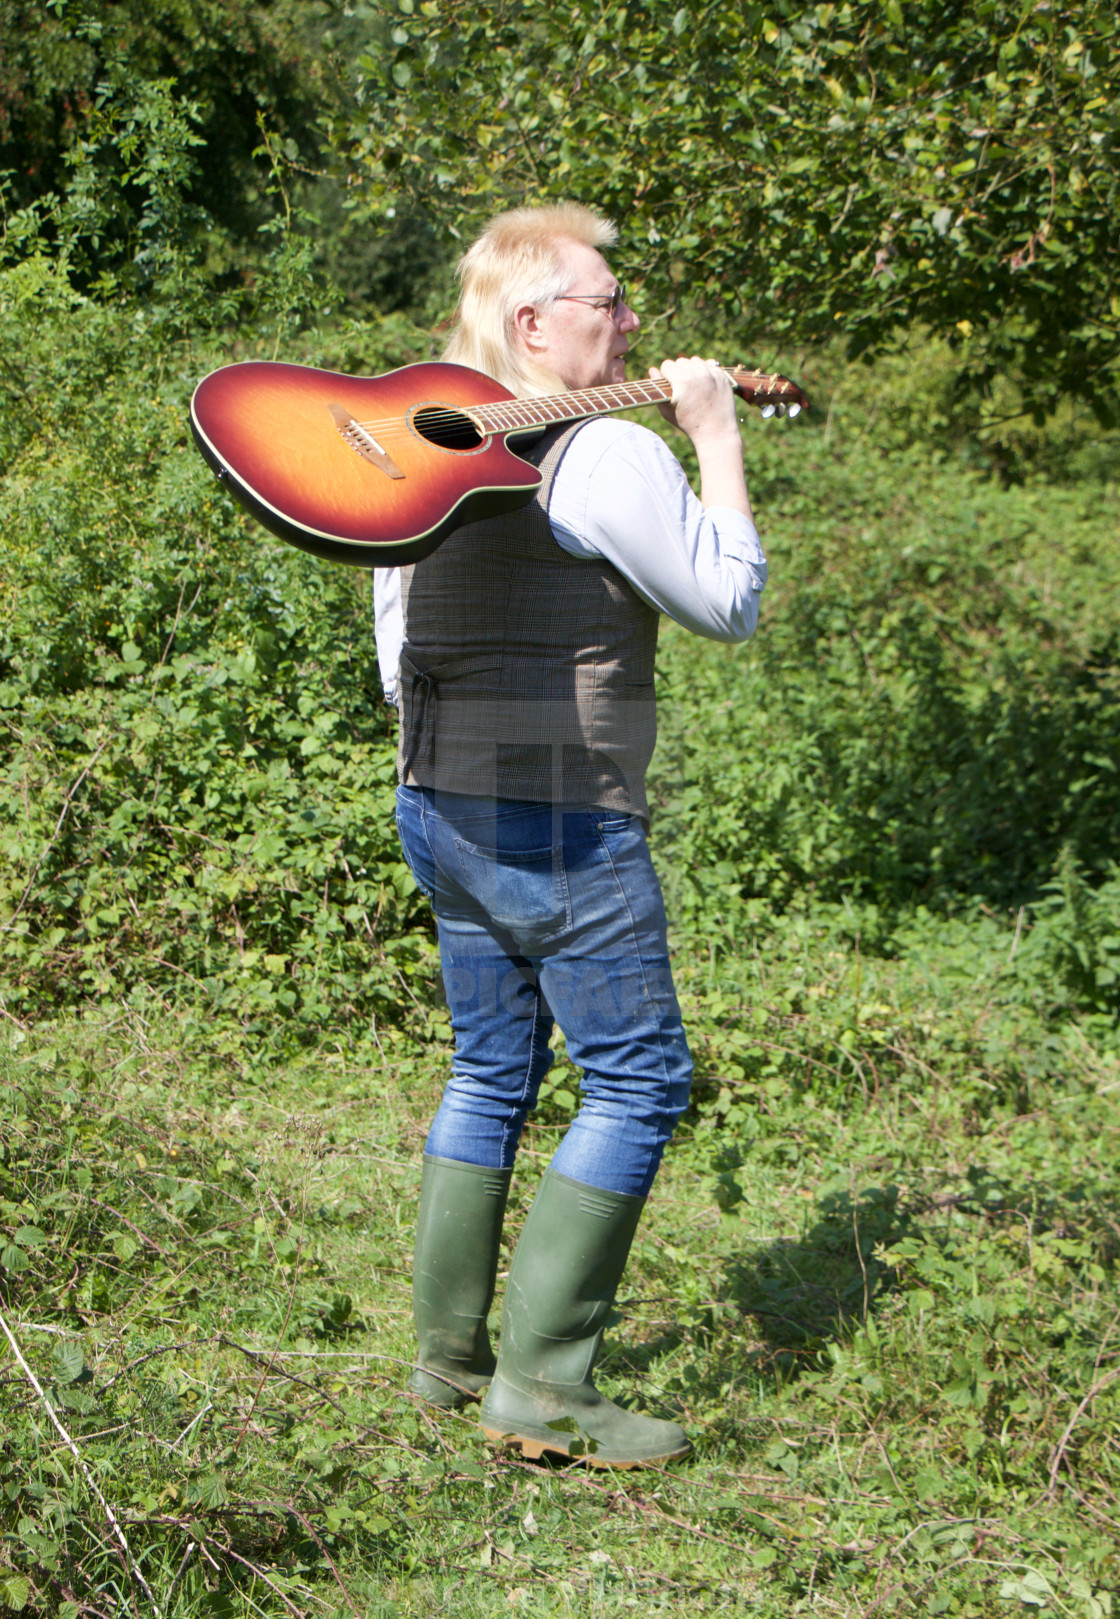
196 761
881 1298
197 767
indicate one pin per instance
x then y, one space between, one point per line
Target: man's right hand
703 406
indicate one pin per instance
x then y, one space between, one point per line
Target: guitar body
372 471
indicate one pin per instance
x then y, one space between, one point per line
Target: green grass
882 1302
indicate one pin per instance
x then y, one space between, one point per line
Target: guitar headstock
774 395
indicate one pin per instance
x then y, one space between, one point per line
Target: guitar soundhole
450 429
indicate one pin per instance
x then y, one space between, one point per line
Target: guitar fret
500 416
604 399
507 415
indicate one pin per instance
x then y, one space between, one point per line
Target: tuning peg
793 410
768 411
779 408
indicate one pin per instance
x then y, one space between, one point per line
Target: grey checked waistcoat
526 672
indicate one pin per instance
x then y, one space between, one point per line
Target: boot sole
533 1450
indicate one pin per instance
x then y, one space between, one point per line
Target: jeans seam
427 834
417 807
639 957
527 1080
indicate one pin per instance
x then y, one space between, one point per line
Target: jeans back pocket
523 891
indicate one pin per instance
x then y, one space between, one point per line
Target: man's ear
527 327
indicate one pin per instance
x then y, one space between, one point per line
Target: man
527 723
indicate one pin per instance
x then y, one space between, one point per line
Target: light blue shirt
621 494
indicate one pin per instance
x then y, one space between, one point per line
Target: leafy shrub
928 713
196 790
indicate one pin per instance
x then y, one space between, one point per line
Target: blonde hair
517 260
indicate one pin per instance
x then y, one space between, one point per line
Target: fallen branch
110 1515
306 1522
1062 1446
228 1551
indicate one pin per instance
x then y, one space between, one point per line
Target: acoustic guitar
374 471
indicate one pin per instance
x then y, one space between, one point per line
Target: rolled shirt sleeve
621 494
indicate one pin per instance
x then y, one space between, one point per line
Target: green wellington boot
458 1232
561 1286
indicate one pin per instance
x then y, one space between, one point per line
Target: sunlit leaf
69 1360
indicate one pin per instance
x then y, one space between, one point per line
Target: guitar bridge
362 441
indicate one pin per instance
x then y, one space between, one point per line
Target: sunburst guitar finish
374 471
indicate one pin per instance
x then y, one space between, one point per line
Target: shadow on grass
803 1292
800 1293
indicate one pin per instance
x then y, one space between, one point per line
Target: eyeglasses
609 301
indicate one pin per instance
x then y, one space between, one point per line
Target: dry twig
110 1515
1062 1446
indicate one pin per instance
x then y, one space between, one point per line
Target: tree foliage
827 168
236 63
161 151
180 152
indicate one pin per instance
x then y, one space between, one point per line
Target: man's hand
703 407
703 400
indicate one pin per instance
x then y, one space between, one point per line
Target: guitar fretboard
571 407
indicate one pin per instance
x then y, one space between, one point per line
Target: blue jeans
550 912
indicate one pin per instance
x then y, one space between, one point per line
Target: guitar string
555 407
448 418
402 434
603 397
398 429
516 409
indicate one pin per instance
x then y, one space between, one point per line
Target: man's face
583 343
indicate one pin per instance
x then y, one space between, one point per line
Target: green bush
196 790
927 716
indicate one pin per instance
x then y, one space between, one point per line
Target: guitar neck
769 392
507 414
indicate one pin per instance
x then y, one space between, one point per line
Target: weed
902 1384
